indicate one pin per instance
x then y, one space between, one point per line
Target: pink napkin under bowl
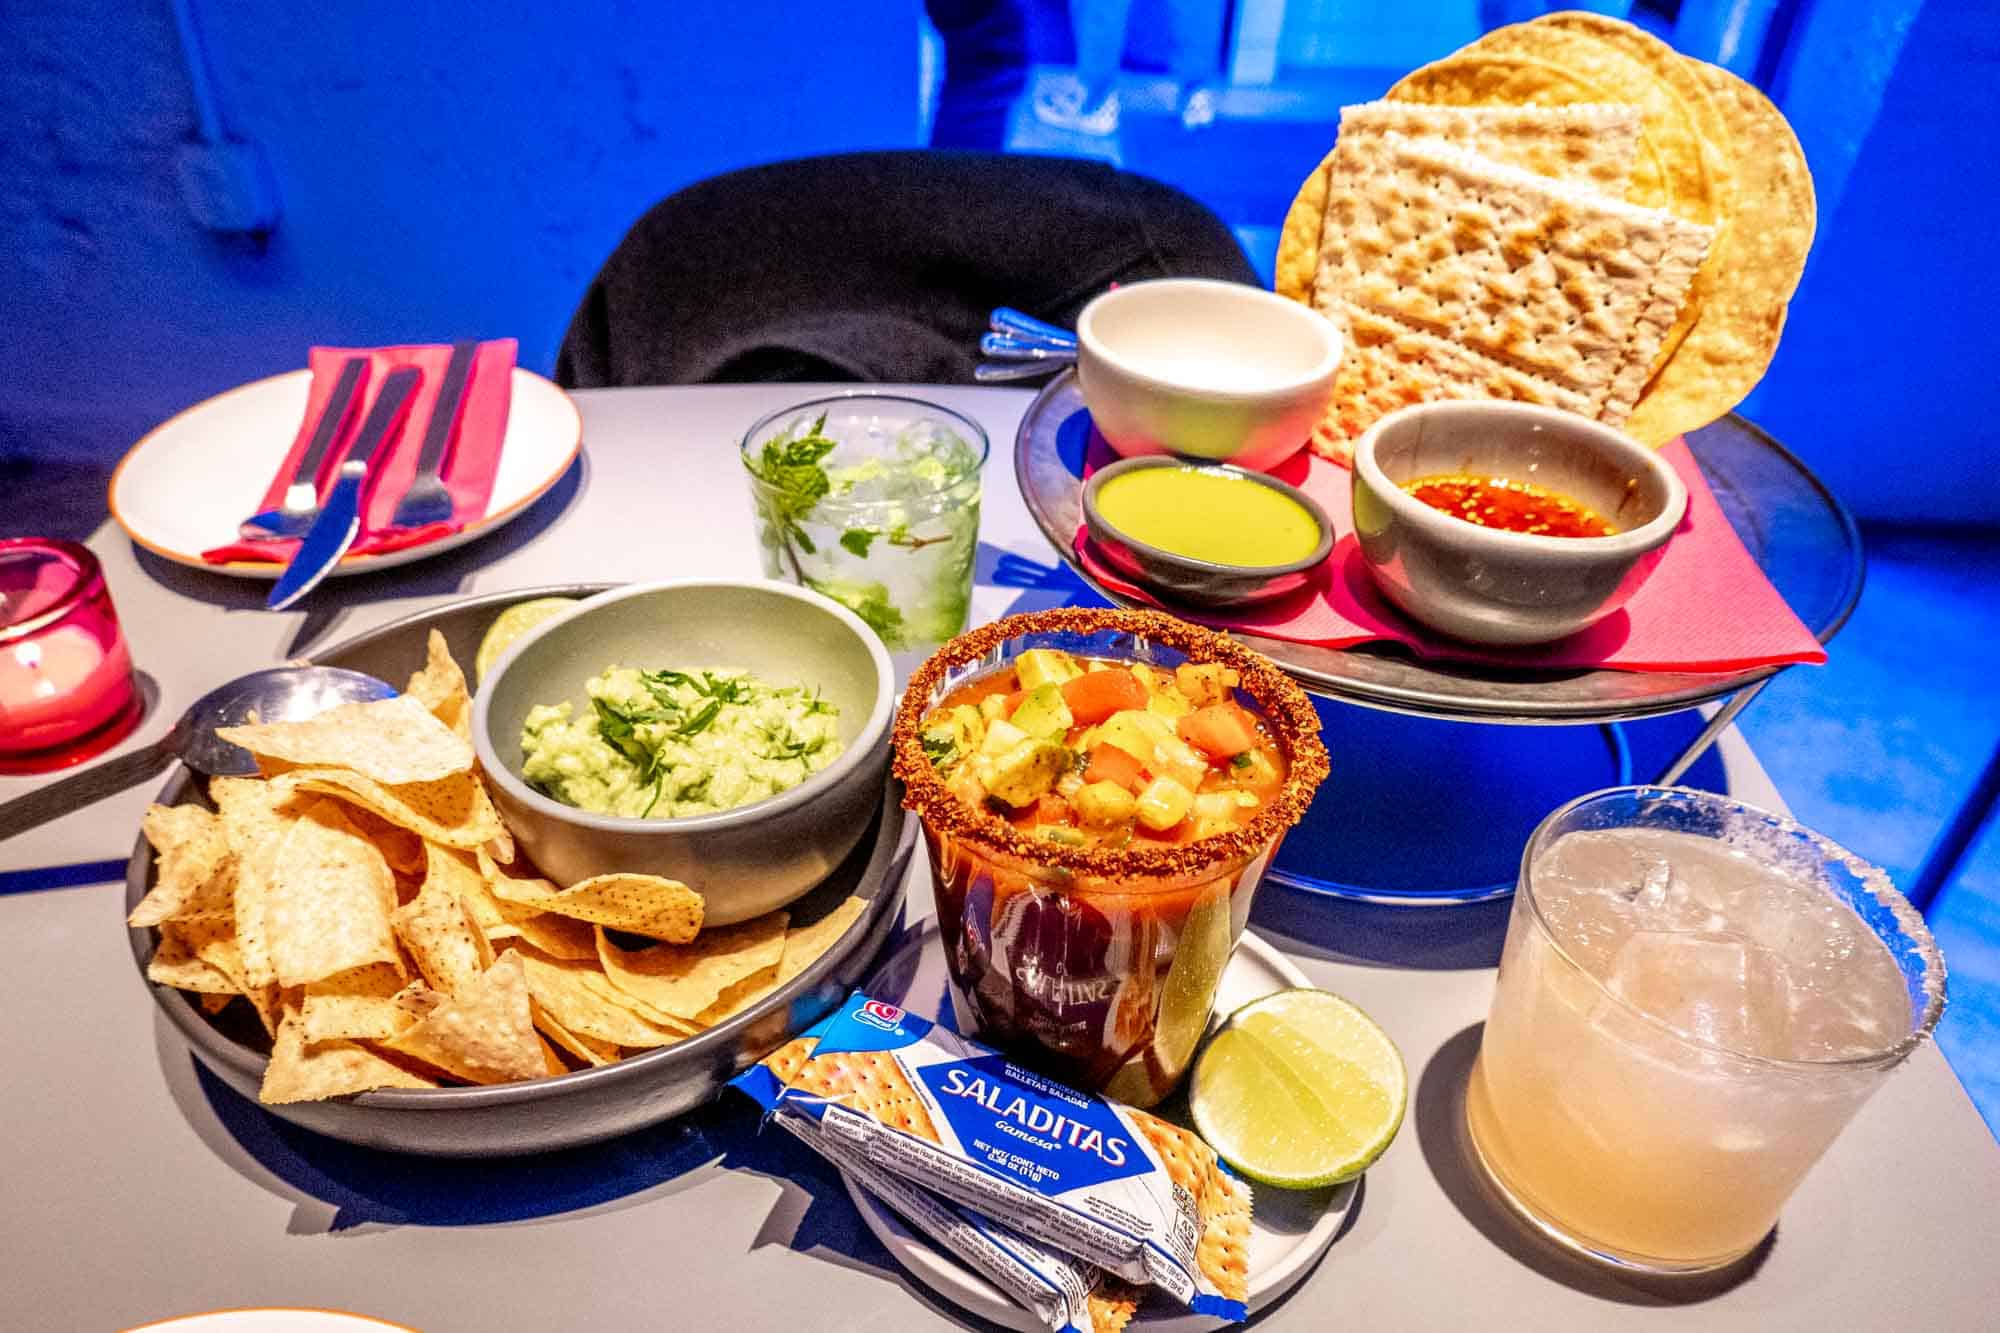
469 464
1706 608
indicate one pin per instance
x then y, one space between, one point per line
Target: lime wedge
1299 1089
512 623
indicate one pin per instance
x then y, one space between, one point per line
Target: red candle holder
66 688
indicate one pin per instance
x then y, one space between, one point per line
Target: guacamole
662 744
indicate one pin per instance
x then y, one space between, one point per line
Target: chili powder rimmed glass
66 687
1096 965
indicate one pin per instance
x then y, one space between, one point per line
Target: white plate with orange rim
272 1320
184 487
1289 1229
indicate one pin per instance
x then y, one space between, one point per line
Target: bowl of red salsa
1100 792
1507 523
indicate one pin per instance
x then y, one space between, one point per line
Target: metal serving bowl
514 1118
744 862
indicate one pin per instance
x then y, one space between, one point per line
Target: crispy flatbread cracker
1590 146
395 741
1523 272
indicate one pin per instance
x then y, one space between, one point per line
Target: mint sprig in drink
872 500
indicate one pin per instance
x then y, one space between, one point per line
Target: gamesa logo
879 1015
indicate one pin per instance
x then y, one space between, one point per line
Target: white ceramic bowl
744 861
1211 370
1486 585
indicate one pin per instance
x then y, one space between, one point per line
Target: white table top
132 1194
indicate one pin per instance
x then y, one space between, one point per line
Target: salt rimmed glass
1616 1130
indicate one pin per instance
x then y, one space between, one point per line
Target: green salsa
663 744
1208 515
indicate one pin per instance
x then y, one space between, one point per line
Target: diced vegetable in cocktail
1089 751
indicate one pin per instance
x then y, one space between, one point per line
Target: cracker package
1116 1187
1064 1294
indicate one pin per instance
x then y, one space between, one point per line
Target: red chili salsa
1511 506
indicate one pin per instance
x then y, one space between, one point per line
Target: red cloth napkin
1706 607
469 464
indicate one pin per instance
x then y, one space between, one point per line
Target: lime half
1299 1089
512 623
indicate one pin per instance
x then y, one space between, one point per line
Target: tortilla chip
329 899
357 1005
302 1072
441 688
395 741
484 1034
1748 280
195 874
437 927
250 899
558 936
651 905
177 961
213 1004
564 990
589 1050
805 944
685 979
417 1000
455 811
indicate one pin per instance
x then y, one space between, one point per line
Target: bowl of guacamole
732 735
669 743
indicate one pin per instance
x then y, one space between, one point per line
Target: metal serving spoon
279 694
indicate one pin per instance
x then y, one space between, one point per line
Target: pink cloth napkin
469 464
1707 606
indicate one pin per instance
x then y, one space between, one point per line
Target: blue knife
340 516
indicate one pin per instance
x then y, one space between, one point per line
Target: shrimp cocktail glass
1694 998
1100 792
872 500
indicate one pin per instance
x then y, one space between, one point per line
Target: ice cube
1714 986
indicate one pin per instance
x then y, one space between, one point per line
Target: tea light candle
65 672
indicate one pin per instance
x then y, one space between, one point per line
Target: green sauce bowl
1199 579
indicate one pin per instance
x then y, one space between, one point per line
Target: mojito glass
1695 997
872 500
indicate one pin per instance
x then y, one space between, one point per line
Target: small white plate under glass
1289 1231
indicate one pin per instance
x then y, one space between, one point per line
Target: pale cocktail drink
1694 998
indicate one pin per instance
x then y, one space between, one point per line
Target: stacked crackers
1568 213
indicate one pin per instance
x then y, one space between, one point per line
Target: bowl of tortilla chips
354 940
